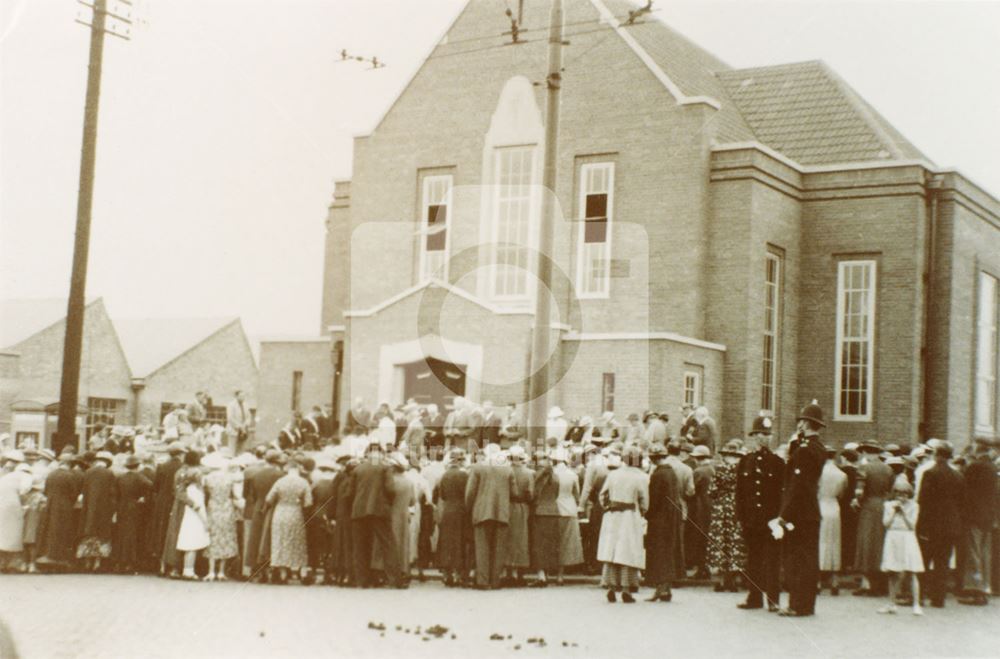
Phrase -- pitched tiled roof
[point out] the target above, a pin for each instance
(691, 67)
(806, 112)
(802, 110)
(150, 343)
(21, 319)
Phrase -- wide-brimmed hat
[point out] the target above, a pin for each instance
(892, 448)
(701, 451)
(851, 446)
(556, 412)
(812, 412)
(105, 456)
(657, 451)
(517, 452)
(132, 461)
(47, 454)
(732, 447)
(174, 448)
(215, 461)
(869, 446)
(13, 455)
(894, 460)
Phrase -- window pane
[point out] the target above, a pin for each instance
(597, 205)
(513, 221)
(856, 293)
(596, 231)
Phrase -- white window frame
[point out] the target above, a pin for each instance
(869, 338)
(529, 243)
(986, 339)
(583, 263)
(772, 315)
(423, 274)
(695, 388)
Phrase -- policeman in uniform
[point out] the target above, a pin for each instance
(800, 517)
(759, 484)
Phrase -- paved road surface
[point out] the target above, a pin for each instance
(83, 616)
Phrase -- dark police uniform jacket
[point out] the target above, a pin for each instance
(759, 486)
(805, 464)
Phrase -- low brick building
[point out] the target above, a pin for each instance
(743, 238)
(132, 371)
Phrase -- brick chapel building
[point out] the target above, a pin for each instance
(745, 239)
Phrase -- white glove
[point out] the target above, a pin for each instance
(777, 530)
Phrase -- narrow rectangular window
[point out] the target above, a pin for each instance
(608, 392)
(435, 216)
(772, 305)
(296, 390)
(512, 221)
(596, 211)
(692, 388)
(855, 340)
(986, 356)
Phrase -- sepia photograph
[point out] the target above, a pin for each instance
(481, 328)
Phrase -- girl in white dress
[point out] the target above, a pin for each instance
(901, 552)
(193, 534)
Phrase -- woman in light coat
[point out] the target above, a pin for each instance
(625, 498)
(570, 544)
(832, 489)
(15, 484)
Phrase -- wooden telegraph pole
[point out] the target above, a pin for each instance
(73, 344)
(540, 381)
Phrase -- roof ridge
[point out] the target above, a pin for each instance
(61, 319)
(191, 347)
(774, 67)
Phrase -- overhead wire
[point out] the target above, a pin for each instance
(539, 29)
(469, 51)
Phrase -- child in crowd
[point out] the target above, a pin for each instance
(901, 552)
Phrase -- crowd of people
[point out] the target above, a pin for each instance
(406, 490)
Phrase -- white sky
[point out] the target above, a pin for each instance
(224, 123)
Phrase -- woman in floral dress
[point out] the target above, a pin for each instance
(290, 496)
(223, 504)
(726, 550)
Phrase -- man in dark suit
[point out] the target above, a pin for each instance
(487, 495)
(800, 515)
(255, 490)
(939, 522)
(163, 501)
(759, 485)
(489, 429)
(981, 513)
(359, 418)
(371, 492)
(325, 421)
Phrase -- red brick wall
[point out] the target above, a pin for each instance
(104, 373)
(865, 214)
(218, 366)
(756, 209)
(278, 360)
(968, 238)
